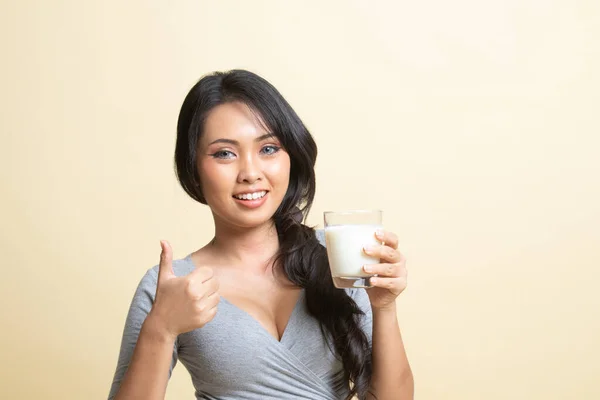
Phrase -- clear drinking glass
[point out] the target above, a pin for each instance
(346, 234)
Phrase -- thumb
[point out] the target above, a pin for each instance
(165, 268)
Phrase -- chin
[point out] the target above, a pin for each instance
(250, 224)
(253, 221)
(244, 219)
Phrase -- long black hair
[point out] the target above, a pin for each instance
(301, 257)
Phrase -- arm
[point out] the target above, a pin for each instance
(148, 355)
(392, 377)
(148, 374)
(163, 307)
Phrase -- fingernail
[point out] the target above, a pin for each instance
(369, 249)
(379, 233)
(367, 268)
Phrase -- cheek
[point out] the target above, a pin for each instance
(280, 171)
(213, 177)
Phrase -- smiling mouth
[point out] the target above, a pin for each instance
(251, 196)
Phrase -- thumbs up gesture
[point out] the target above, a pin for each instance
(185, 303)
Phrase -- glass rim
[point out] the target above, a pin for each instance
(358, 211)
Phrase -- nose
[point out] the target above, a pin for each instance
(249, 170)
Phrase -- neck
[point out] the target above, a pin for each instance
(251, 249)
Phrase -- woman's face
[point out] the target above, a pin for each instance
(243, 169)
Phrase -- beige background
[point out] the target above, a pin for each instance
(473, 124)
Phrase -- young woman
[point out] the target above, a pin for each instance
(254, 313)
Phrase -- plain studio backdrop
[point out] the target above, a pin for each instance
(473, 124)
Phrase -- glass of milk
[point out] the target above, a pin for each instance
(346, 234)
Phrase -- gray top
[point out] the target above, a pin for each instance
(234, 357)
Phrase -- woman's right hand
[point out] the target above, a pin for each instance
(184, 303)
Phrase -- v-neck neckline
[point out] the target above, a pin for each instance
(261, 327)
(264, 330)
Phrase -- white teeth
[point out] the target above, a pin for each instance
(251, 196)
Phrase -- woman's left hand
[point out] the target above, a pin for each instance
(391, 273)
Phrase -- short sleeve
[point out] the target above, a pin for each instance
(138, 311)
(360, 296)
(320, 234)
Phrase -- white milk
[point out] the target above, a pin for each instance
(345, 248)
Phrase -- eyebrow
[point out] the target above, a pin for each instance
(236, 143)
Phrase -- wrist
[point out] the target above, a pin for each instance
(389, 309)
(156, 329)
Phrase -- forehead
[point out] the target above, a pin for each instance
(232, 121)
